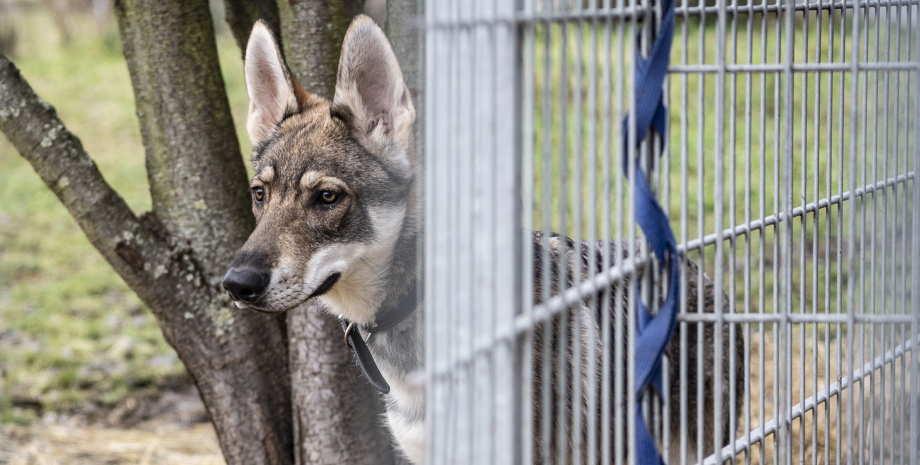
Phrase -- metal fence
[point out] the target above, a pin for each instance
(787, 172)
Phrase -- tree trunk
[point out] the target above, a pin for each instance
(175, 256)
(242, 14)
(337, 414)
(234, 358)
(313, 31)
(197, 180)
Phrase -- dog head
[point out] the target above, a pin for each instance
(332, 187)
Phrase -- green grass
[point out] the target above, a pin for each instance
(72, 333)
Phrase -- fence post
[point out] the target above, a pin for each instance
(472, 231)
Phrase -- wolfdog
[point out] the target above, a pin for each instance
(336, 197)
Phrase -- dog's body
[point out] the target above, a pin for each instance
(588, 322)
(336, 200)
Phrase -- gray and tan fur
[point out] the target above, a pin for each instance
(588, 321)
(336, 196)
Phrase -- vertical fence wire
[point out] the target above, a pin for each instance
(798, 324)
(473, 243)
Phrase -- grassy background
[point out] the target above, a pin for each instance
(74, 338)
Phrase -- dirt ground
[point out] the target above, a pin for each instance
(171, 429)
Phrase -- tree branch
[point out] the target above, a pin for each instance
(198, 187)
(196, 172)
(337, 415)
(34, 129)
(222, 349)
(242, 14)
(313, 35)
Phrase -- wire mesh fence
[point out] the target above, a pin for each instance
(787, 172)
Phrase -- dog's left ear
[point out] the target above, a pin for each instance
(274, 92)
(370, 84)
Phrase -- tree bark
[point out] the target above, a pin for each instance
(234, 358)
(197, 180)
(312, 31)
(133, 248)
(196, 173)
(337, 414)
(175, 256)
(242, 14)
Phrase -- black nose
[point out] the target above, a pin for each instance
(246, 284)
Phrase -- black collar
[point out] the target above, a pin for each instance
(384, 321)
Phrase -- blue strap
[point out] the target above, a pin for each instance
(654, 330)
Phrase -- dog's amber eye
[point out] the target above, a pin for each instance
(258, 193)
(328, 197)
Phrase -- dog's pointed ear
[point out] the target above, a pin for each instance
(370, 84)
(274, 92)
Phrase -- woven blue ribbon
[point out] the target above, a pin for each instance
(654, 331)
